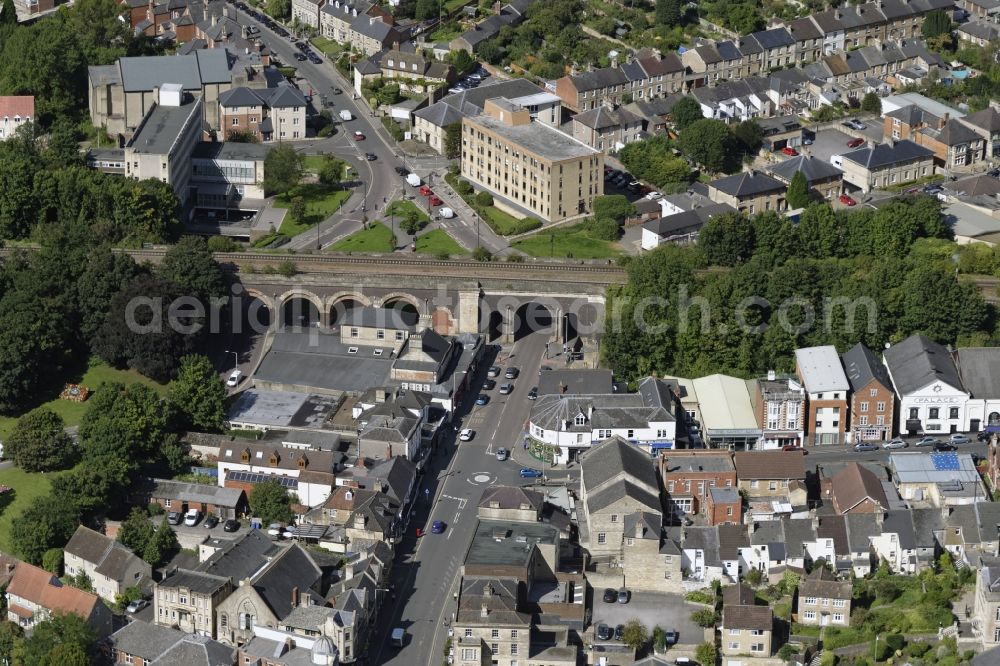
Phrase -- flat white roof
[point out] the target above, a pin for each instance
(724, 403)
(537, 98)
(821, 369)
(893, 102)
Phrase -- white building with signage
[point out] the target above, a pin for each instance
(932, 398)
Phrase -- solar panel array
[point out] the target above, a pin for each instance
(254, 477)
(945, 462)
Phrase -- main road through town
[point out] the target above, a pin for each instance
(426, 572)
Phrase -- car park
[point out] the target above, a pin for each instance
(604, 632)
(610, 596)
(437, 527)
(192, 517)
(529, 473)
(896, 443)
(211, 522)
(231, 525)
(512, 373)
(466, 435)
(234, 378)
(482, 399)
(960, 439)
(506, 389)
(501, 454)
(174, 518)
(865, 446)
(847, 200)
(136, 606)
(927, 441)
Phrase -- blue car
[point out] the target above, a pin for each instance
(437, 527)
(528, 473)
(482, 399)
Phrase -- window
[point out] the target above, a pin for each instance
(772, 485)
(734, 645)
(810, 615)
(602, 538)
(863, 420)
(756, 632)
(838, 617)
(495, 648)
(839, 603)
(953, 413)
(614, 517)
(864, 406)
(880, 406)
(810, 601)
(354, 332)
(380, 334)
(754, 483)
(495, 633)
(873, 392)
(757, 647)
(580, 420)
(469, 654)
(630, 434)
(819, 424)
(729, 511)
(468, 633)
(166, 503)
(399, 336)
(734, 632)
(914, 413)
(513, 634)
(513, 649)
(183, 598)
(932, 413)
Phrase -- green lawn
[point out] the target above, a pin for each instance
(97, 373)
(452, 5)
(327, 46)
(438, 242)
(402, 207)
(321, 202)
(445, 33)
(567, 242)
(376, 238)
(27, 487)
(503, 223)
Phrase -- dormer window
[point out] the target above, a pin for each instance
(245, 456)
(580, 419)
(414, 66)
(273, 461)
(303, 461)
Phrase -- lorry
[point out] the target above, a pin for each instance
(397, 637)
(346, 115)
(413, 179)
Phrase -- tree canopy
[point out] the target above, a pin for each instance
(47, 523)
(798, 191)
(270, 502)
(709, 143)
(198, 393)
(39, 442)
(282, 169)
(686, 111)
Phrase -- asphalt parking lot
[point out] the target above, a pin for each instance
(668, 611)
(829, 142)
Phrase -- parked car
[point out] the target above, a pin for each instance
(943, 447)
(466, 435)
(489, 385)
(927, 441)
(790, 447)
(533, 393)
(425, 191)
(211, 522)
(299, 57)
(231, 525)
(896, 443)
(494, 371)
(960, 439)
(482, 399)
(865, 446)
(136, 606)
(854, 143)
(604, 632)
(847, 200)
(401, 171)
(501, 454)
(434, 200)
(983, 435)
(192, 517)
(788, 150)
(506, 389)
(234, 378)
(610, 596)
(672, 636)
(437, 527)
(619, 632)
(337, 91)
(623, 595)
(529, 473)
(174, 518)
(511, 373)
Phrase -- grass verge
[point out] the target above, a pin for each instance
(27, 486)
(376, 238)
(439, 243)
(321, 202)
(573, 242)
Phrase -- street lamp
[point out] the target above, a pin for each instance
(236, 358)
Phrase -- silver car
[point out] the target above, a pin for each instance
(897, 443)
(501, 454)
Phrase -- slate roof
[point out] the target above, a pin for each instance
(987, 119)
(862, 365)
(747, 617)
(853, 484)
(688, 221)
(197, 492)
(195, 581)
(917, 362)
(884, 154)
(731, 539)
(292, 570)
(599, 78)
(813, 168)
(824, 585)
(705, 539)
(611, 458)
(770, 533)
(242, 557)
(619, 490)
(283, 96)
(191, 71)
(197, 650)
(953, 133)
(774, 38)
(499, 595)
(980, 371)
(748, 184)
(860, 528)
(802, 29)
(604, 117)
(511, 497)
(900, 522)
(769, 465)
(144, 639)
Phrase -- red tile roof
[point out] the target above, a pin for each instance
(17, 105)
(45, 590)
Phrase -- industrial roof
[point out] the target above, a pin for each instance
(281, 409)
(933, 467)
(725, 403)
(191, 71)
(583, 381)
(507, 543)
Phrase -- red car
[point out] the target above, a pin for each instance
(435, 201)
(358, 136)
(854, 143)
(846, 200)
(788, 150)
(792, 447)
(425, 191)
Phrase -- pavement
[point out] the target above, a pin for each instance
(426, 569)
(668, 611)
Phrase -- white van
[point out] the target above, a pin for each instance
(346, 115)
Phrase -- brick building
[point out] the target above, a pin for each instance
(826, 384)
(872, 396)
(690, 474)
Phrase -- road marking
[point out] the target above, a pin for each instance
(461, 501)
(481, 477)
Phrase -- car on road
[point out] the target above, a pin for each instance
(231, 525)
(425, 190)
(211, 522)
(494, 371)
(927, 441)
(482, 399)
(299, 57)
(234, 378)
(501, 454)
(174, 518)
(790, 447)
(315, 59)
(466, 435)
(434, 200)
(192, 517)
(983, 435)
(865, 446)
(506, 389)
(960, 439)
(489, 385)
(401, 171)
(619, 632)
(530, 473)
(136, 606)
(512, 373)
(610, 596)
(791, 152)
(604, 632)
(895, 443)
(371, 157)
(623, 595)
(944, 447)
(337, 91)
(358, 136)
(533, 393)
(847, 200)
(437, 527)
(854, 143)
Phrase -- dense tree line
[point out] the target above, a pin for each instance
(874, 276)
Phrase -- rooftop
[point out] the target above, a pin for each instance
(536, 138)
(747, 184)
(933, 467)
(917, 362)
(769, 465)
(584, 381)
(885, 154)
(725, 404)
(820, 369)
(980, 371)
(160, 129)
(505, 543)
(282, 409)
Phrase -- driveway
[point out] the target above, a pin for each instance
(668, 611)
(828, 142)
